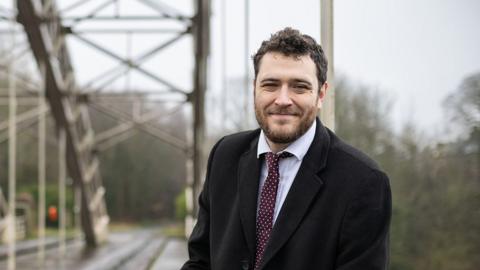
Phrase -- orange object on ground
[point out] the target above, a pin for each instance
(52, 213)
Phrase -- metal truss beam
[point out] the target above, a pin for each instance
(129, 63)
(30, 114)
(165, 10)
(117, 18)
(141, 123)
(45, 35)
(136, 63)
(41, 41)
(93, 13)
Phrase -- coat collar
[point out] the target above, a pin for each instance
(306, 185)
(248, 181)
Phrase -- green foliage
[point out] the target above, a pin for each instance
(142, 175)
(181, 206)
(436, 187)
(463, 105)
(51, 194)
(436, 192)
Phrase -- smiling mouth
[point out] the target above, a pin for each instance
(283, 114)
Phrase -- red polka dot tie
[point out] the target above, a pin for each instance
(266, 208)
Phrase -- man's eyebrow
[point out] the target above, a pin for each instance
(269, 80)
(301, 81)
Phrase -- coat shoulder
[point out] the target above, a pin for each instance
(357, 160)
(238, 143)
(355, 172)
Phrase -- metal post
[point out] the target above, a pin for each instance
(328, 107)
(202, 37)
(190, 199)
(45, 35)
(130, 60)
(41, 169)
(64, 114)
(76, 210)
(247, 83)
(223, 25)
(62, 174)
(117, 8)
(12, 145)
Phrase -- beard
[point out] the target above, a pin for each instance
(291, 131)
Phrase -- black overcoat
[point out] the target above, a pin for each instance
(336, 214)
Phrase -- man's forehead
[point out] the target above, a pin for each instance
(292, 57)
(274, 64)
(277, 76)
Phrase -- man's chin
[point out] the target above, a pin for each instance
(282, 123)
(283, 134)
(282, 127)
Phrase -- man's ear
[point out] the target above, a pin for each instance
(322, 92)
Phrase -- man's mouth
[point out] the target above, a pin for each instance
(283, 114)
(282, 117)
(280, 112)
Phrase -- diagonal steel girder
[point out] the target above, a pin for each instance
(133, 65)
(141, 123)
(41, 45)
(127, 64)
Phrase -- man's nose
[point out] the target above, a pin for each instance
(283, 96)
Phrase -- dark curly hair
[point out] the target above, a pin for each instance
(291, 42)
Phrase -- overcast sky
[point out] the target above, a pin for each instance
(416, 51)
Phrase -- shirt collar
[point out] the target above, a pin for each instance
(298, 148)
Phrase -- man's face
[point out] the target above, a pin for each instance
(287, 96)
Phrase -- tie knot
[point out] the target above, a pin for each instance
(285, 155)
(274, 158)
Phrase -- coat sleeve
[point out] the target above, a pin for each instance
(364, 237)
(199, 243)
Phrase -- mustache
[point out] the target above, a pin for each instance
(284, 110)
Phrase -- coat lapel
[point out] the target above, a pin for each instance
(303, 191)
(248, 180)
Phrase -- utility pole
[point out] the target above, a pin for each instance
(195, 162)
(327, 114)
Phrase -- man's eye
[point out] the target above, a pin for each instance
(269, 85)
(301, 86)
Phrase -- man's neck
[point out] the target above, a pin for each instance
(276, 147)
(298, 147)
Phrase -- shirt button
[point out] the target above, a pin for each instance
(245, 265)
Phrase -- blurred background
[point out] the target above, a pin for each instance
(108, 110)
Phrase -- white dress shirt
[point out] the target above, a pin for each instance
(288, 167)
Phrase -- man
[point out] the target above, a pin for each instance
(290, 195)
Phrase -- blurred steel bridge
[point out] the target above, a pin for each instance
(38, 30)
